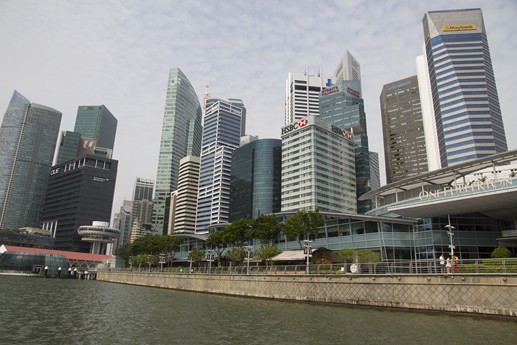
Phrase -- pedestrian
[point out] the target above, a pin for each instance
(456, 263)
(46, 271)
(442, 263)
(59, 272)
(448, 265)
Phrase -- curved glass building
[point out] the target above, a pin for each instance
(181, 136)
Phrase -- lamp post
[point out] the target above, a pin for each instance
(190, 261)
(210, 259)
(162, 261)
(248, 255)
(308, 255)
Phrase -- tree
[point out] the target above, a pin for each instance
(238, 232)
(266, 253)
(196, 255)
(303, 225)
(236, 255)
(501, 253)
(217, 241)
(346, 255)
(265, 228)
(362, 255)
(125, 251)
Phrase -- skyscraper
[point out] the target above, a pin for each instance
(181, 136)
(318, 167)
(341, 105)
(468, 116)
(143, 189)
(347, 69)
(221, 136)
(256, 179)
(302, 93)
(94, 134)
(403, 129)
(79, 192)
(182, 217)
(27, 142)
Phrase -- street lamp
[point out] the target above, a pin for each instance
(210, 259)
(162, 261)
(450, 233)
(307, 247)
(190, 261)
(248, 255)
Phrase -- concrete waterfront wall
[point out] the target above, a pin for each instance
(477, 294)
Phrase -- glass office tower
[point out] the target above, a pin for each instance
(468, 117)
(341, 105)
(27, 142)
(255, 186)
(181, 136)
(221, 136)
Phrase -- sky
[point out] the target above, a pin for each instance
(65, 54)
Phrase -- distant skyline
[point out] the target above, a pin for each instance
(118, 53)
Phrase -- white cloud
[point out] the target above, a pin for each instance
(118, 53)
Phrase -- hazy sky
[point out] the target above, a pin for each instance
(64, 54)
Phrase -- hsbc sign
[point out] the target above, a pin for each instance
(299, 124)
(344, 134)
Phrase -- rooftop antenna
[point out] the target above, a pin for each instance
(207, 93)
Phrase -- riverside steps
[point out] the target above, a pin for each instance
(485, 294)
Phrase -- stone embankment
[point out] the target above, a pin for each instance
(476, 294)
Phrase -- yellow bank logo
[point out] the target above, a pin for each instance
(461, 27)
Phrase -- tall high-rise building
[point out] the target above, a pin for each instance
(221, 136)
(256, 179)
(181, 136)
(318, 167)
(122, 222)
(341, 105)
(403, 129)
(143, 189)
(182, 215)
(375, 172)
(79, 192)
(27, 142)
(347, 69)
(302, 93)
(468, 116)
(94, 134)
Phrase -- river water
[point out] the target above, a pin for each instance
(62, 311)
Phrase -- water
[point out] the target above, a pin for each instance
(61, 311)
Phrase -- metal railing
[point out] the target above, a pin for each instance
(429, 266)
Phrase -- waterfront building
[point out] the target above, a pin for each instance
(79, 192)
(302, 92)
(318, 167)
(182, 217)
(256, 179)
(27, 142)
(341, 105)
(100, 235)
(181, 136)
(466, 105)
(94, 134)
(403, 129)
(478, 207)
(221, 136)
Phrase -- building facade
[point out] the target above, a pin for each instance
(221, 137)
(181, 136)
(143, 189)
(27, 142)
(79, 192)
(122, 222)
(348, 68)
(341, 105)
(183, 217)
(403, 129)
(256, 179)
(466, 105)
(318, 167)
(302, 93)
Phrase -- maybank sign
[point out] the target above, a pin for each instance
(465, 189)
(460, 27)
